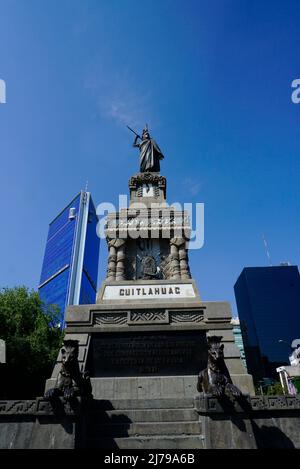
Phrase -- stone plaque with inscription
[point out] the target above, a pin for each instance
(149, 291)
(148, 353)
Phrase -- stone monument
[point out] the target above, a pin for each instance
(147, 344)
(145, 338)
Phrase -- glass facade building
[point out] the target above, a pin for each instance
(238, 338)
(268, 302)
(70, 266)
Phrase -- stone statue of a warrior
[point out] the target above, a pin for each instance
(150, 153)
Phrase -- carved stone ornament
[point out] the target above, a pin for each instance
(149, 268)
(147, 178)
(149, 317)
(115, 242)
(186, 316)
(70, 381)
(177, 241)
(115, 318)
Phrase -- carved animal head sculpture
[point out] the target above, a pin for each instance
(215, 349)
(70, 382)
(69, 353)
(215, 380)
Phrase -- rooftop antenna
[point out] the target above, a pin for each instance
(86, 185)
(267, 250)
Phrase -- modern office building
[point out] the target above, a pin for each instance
(238, 338)
(268, 302)
(70, 266)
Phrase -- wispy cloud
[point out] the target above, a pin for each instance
(118, 97)
(192, 186)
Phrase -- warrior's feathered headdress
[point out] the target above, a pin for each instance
(145, 129)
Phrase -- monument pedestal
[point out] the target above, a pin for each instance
(147, 339)
(144, 342)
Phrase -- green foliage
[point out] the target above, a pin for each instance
(274, 389)
(296, 383)
(32, 342)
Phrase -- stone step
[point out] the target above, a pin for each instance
(149, 442)
(147, 429)
(123, 404)
(146, 415)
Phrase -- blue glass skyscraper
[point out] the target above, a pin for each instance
(70, 266)
(268, 302)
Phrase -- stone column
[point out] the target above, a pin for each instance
(112, 261)
(183, 261)
(175, 267)
(120, 271)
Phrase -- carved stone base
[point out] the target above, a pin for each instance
(146, 338)
(152, 423)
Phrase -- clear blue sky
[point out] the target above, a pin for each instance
(212, 79)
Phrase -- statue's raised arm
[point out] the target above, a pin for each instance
(135, 142)
(150, 153)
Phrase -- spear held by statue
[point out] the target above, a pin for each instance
(133, 131)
